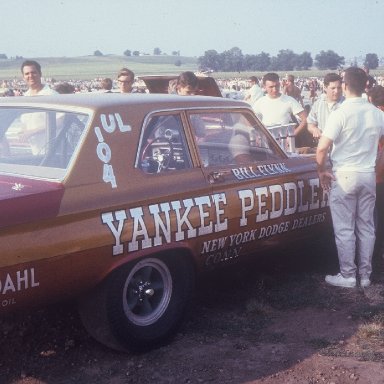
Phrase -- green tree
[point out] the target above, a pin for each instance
(273, 65)
(3, 56)
(178, 63)
(263, 61)
(371, 61)
(285, 60)
(135, 53)
(329, 60)
(157, 51)
(210, 60)
(303, 61)
(232, 60)
(260, 62)
(250, 63)
(97, 53)
(127, 52)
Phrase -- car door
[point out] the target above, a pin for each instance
(175, 198)
(264, 192)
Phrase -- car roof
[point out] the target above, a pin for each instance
(104, 100)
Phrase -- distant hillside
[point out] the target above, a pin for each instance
(91, 67)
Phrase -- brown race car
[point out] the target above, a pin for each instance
(120, 200)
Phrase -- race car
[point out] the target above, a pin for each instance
(120, 201)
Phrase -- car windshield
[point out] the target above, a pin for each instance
(39, 142)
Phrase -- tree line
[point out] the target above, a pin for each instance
(234, 60)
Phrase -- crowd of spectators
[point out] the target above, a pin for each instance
(235, 88)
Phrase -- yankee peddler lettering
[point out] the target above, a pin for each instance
(157, 224)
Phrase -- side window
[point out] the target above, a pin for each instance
(163, 146)
(231, 138)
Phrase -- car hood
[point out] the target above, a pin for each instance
(23, 199)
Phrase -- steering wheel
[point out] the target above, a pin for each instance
(162, 156)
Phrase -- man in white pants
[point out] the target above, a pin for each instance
(354, 129)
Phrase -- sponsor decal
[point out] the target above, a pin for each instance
(109, 125)
(254, 172)
(17, 281)
(228, 248)
(156, 224)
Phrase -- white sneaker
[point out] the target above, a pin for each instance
(365, 282)
(340, 281)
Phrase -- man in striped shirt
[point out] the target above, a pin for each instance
(328, 102)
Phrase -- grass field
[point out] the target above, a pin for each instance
(91, 67)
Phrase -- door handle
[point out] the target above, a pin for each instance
(216, 177)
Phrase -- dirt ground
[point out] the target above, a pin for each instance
(272, 322)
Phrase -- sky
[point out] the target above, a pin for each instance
(67, 28)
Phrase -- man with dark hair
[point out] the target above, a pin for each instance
(125, 80)
(106, 85)
(65, 88)
(34, 124)
(292, 90)
(353, 131)
(376, 97)
(371, 81)
(187, 84)
(31, 71)
(328, 102)
(277, 109)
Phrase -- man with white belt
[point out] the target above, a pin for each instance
(353, 131)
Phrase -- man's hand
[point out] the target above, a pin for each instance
(326, 178)
(316, 133)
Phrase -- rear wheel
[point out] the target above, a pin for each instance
(144, 302)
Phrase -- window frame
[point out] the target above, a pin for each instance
(182, 133)
(39, 169)
(278, 153)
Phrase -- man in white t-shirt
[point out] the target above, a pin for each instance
(34, 131)
(31, 71)
(353, 131)
(255, 92)
(277, 109)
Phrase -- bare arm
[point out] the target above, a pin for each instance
(303, 122)
(321, 159)
(380, 161)
(314, 130)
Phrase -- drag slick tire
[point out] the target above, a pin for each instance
(143, 303)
